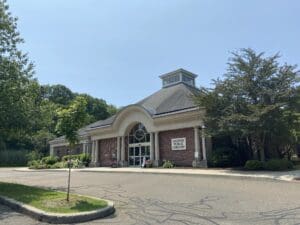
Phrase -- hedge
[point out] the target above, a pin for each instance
(13, 157)
(272, 165)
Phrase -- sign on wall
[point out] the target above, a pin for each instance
(178, 144)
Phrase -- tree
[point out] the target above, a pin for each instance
(19, 93)
(70, 120)
(58, 94)
(252, 102)
(98, 109)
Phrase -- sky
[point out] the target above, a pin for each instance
(116, 49)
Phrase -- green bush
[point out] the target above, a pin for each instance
(59, 165)
(224, 157)
(254, 165)
(33, 163)
(13, 157)
(279, 164)
(49, 160)
(85, 159)
(72, 157)
(36, 164)
(33, 155)
(168, 164)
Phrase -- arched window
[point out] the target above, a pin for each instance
(138, 134)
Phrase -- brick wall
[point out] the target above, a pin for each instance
(179, 157)
(107, 147)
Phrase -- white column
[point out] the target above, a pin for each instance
(156, 140)
(97, 152)
(203, 143)
(84, 147)
(123, 149)
(151, 146)
(51, 150)
(93, 152)
(118, 149)
(197, 143)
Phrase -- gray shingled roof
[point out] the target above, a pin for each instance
(169, 99)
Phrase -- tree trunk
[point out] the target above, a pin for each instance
(69, 179)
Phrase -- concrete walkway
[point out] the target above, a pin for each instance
(282, 175)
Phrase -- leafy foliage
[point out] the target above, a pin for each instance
(279, 164)
(224, 157)
(71, 119)
(254, 165)
(29, 110)
(256, 102)
(168, 164)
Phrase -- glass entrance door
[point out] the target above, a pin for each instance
(137, 153)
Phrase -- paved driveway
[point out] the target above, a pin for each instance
(172, 199)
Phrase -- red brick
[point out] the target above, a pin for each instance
(107, 148)
(178, 157)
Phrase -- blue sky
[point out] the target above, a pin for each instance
(116, 49)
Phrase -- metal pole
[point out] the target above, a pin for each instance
(69, 177)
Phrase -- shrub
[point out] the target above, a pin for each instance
(59, 165)
(278, 164)
(49, 160)
(85, 159)
(33, 155)
(72, 157)
(168, 164)
(33, 163)
(225, 157)
(78, 160)
(254, 165)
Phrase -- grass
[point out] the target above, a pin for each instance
(50, 200)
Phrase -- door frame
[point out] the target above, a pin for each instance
(140, 145)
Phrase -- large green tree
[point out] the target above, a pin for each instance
(253, 102)
(28, 111)
(19, 93)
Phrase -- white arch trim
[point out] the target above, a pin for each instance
(131, 115)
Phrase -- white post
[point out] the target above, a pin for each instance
(96, 152)
(197, 143)
(93, 152)
(123, 151)
(84, 147)
(118, 149)
(151, 147)
(203, 143)
(156, 140)
(51, 150)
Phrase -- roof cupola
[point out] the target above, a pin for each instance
(178, 76)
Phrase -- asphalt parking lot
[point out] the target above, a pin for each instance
(171, 199)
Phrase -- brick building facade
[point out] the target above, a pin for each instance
(167, 125)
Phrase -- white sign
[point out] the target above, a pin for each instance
(178, 144)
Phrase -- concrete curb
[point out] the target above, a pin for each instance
(58, 217)
(286, 177)
(232, 176)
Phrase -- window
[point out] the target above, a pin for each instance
(171, 79)
(138, 134)
(188, 80)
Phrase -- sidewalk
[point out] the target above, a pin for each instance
(274, 175)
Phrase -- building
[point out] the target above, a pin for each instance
(167, 125)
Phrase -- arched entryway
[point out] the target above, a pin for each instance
(138, 145)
